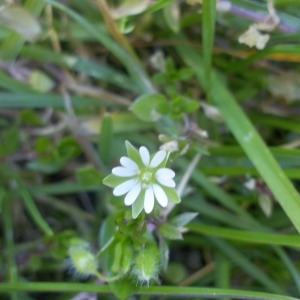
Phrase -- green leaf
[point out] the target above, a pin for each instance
(44, 144)
(30, 117)
(68, 147)
(149, 107)
(9, 140)
(170, 232)
(60, 243)
(88, 176)
(123, 288)
(183, 219)
(46, 167)
(163, 253)
(107, 232)
(176, 272)
(35, 214)
(181, 105)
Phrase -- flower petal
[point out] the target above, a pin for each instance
(164, 177)
(165, 173)
(132, 194)
(123, 172)
(128, 163)
(158, 158)
(145, 156)
(124, 187)
(149, 200)
(160, 195)
(167, 182)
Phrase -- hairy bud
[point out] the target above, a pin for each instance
(147, 264)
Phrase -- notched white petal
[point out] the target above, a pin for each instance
(132, 194)
(165, 173)
(128, 163)
(124, 187)
(164, 177)
(160, 195)
(149, 200)
(145, 156)
(168, 182)
(123, 172)
(158, 158)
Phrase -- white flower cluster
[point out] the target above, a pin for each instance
(142, 179)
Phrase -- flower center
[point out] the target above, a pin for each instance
(146, 177)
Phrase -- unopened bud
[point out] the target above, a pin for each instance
(146, 264)
(127, 256)
(83, 261)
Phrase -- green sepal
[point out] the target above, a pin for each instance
(138, 205)
(112, 180)
(183, 219)
(170, 232)
(172, 194)
(133, 154)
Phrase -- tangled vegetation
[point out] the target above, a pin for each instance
(149, 149)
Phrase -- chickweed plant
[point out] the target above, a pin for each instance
(149, 149)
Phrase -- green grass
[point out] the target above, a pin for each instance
(59, 143)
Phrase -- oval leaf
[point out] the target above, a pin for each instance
(149, 107)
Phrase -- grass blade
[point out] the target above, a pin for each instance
(248, 138)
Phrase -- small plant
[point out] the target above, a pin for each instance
(128, 241)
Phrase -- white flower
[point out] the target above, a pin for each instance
(253, 37)
(142, 179)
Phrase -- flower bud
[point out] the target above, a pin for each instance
(146, 264)
(83, 261)
(127, 256)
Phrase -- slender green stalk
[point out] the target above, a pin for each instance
(183, 292)
(223, 272)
